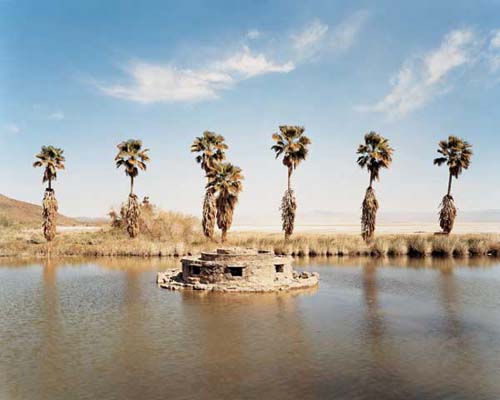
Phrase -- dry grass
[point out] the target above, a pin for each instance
(173, 234)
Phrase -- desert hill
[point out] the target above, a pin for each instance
(23, 213)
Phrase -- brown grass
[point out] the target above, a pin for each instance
(173, 234)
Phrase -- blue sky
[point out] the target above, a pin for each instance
(84, 75)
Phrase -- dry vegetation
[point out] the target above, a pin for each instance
(174, 234)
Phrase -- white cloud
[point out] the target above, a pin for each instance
(344, 35)
(310, 35)
(153, 82)
(165, 83)
(494, 51)
(249, 65)
(495, 39)
(317, 36)
(57, 115)
(425, 77)
(254, 34)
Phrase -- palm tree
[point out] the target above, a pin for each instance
(456, 153)
(212, 149)
(225, 180)
(293, 145)
(51, 159)
(374, 154)
(132, 157)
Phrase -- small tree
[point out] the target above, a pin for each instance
(51, 159)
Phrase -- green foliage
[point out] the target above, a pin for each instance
(225, 180)
(132, 157)
(212, 149)
(374, 154)
(292, 144)
(52, 159)
(456, 153)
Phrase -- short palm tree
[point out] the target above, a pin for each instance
(225, 180)
(374, 154)
(51, 159)
(456, 153)
(132, 157)
(293, 145)
(211, 149)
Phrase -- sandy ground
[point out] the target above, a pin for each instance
(468, 227)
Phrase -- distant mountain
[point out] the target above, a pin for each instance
(23, 213)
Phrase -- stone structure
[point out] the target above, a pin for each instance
(239, 270)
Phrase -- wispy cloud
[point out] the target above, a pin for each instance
(47, 112)
(344, 35)
(494, 50)
(155, 82)
(11, 128)
(166, 83)
(423, 78)
(249, 65)
(253, 34)
(311, 35)
(56, 115)
(318, 37)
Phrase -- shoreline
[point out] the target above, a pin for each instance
(110, 243)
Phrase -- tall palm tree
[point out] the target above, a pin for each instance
(225, 180)
(293, 145)
(212, 151)
(51, 159)
(456, 153)
(374, 154)
(132, 157)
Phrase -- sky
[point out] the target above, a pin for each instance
(85, 75)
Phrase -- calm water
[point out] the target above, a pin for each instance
(372, 330)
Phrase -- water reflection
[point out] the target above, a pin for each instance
(400, 262)
(375, 328)
(49, 353)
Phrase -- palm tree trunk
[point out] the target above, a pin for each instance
(131, 185)
(371, 180)
(289, 177)
(449, 184)
(50, 184)
(223, 235)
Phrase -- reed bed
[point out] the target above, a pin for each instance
(175, 236)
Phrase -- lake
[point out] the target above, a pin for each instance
(373, 329)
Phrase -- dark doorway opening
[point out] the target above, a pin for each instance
(235, 271)
(195, 270)
(279, 268)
